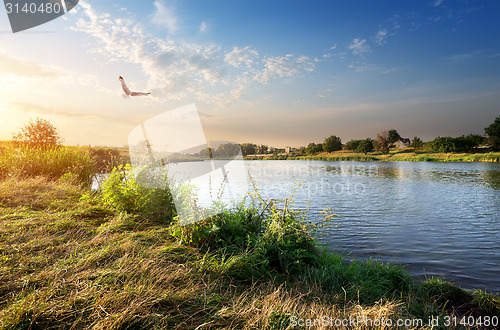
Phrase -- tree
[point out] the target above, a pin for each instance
(262, 149)
(248, 149)
(365, 146)
(442, 144)
(393, 136)
(332, 143)
(352, 144)
(38, 133)
(381, 143)
(314, 148)
(417, 143)
(494, 129)
(493, 132)
(227, 150)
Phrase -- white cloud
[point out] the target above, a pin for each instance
(283, 67)
(204, 26)
(165, 17)
(185, 70)
(381, 36)
(241, 56)
(437, 3)
(359, 47)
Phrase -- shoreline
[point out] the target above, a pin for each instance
(489, 157)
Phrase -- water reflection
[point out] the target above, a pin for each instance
(438, 218)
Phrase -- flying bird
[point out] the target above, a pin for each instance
(128, 92)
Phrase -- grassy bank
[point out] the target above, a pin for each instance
(393, 155)
(117, 258)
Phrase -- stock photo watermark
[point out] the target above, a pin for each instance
(26, 14)
(170, 151)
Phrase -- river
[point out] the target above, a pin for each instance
(438, 219)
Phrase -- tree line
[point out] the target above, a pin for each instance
(388, 139)
(41, 133)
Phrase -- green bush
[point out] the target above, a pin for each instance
(365, 146)
(352, 145)
(268, 238)
(122, 191)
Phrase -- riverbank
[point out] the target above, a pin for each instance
(393, 155)
(68, 259)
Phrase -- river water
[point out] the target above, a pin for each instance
(438, 219)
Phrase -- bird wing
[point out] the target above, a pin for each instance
(124, 86)
(139, 94)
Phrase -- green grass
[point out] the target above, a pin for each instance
(54, 163)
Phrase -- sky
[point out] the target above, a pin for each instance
(280, 73)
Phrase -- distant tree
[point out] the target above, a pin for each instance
(393, 136)
(227, 150)
(494, 128)
(332, 143)
(454, 144)
(248, 149)
(206, 153)
(314, 148)
(493, 132)
(382, 142)
(352, 144)
(468, 142)
(442, 144)
(262, 149)
(38, 133)
(365, 146)
(417, 143)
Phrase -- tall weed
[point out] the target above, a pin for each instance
(52, 163)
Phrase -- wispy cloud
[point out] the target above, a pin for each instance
(359, 46)
(165, 17)
(17, 67)
(178, 69)
(204, 26)
(381, 36)
(284, 66)
(38, 109)
(437, 3)
(241, 56)
(462, 57)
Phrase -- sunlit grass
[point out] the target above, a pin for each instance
(52, 163)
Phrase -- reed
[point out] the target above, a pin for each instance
(52, 163)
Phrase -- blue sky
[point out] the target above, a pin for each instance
(272, 72)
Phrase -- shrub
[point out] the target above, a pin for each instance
(122, 191)
(265, 238)
(450, 144)
(441, 144)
